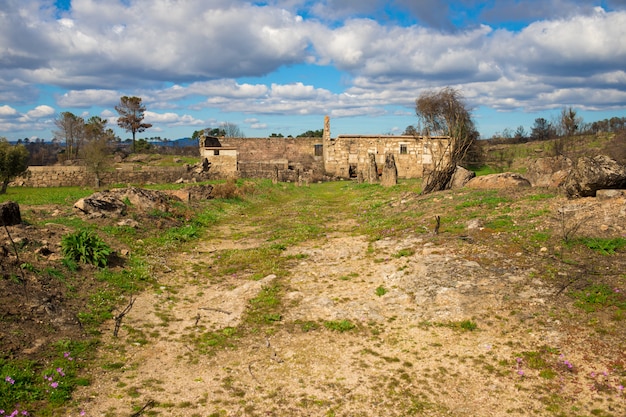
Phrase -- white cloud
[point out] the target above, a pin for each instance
(89, 98)
(171, 119)
(7, 111)
(40, 112)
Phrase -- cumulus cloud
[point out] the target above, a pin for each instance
(40, 112)
(7, 112)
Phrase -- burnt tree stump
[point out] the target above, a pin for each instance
(10, 213)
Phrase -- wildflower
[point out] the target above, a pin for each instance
(67, 356)
(60, 371)
(82, 412)
(520, 372)
(1, 412)
(9, 380)
(24, 413)
(54, 384)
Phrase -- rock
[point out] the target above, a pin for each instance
(100, 204)
(200, 192)
(114, 202)
(461, 177)
(610, 194)
(390, 172)
(371, 170)
(128, 223)
(10, 213)
(549, 172)
(498, 181)
(474, 224)
(592, 174)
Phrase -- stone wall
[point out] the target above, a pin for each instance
(78, 176)
(347, 155)
(281, 158)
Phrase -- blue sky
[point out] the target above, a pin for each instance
(280, 66)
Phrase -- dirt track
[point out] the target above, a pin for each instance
(412, 352)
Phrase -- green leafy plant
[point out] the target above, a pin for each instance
(380, 291)
(604, 246)
(86, 247)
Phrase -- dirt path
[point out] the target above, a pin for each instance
(413, 350)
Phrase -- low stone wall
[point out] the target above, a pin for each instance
(78, 176)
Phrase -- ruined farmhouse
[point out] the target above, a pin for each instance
(345, 156)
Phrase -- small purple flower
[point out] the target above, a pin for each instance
(1, 412)
(54, 384)
(60, 371)
(24, 413)
(520, 372)
(9, 380)
(82, 412)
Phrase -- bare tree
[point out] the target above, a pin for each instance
(231, 130)
(131, 111)
(444, 112)
(71, 131)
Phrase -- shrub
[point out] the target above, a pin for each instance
(84, 246)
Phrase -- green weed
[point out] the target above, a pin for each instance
(339, 325)
(598, 296)
(84, 246)
(380, 291)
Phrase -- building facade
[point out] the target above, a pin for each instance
(341, 157)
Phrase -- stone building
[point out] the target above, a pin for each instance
(345, 156)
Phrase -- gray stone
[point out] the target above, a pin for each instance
(592, 174)
(461, 177)
(390, 172)
(548, 172)
(498, 181)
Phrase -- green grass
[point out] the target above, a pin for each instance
(599, 296)
(604, 246)
(65, 196)
(339, 325)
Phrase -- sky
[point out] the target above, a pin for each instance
(280, 66)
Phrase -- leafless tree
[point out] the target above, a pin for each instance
(231, 130)
(444, 112)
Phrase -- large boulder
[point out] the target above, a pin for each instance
(498, 181)
(461, 177)
(591, 174)
(548, 172)
(115, 202)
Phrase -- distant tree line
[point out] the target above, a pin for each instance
(567, 124)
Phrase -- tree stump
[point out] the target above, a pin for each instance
(10, 213)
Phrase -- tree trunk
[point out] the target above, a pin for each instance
(5, 184)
